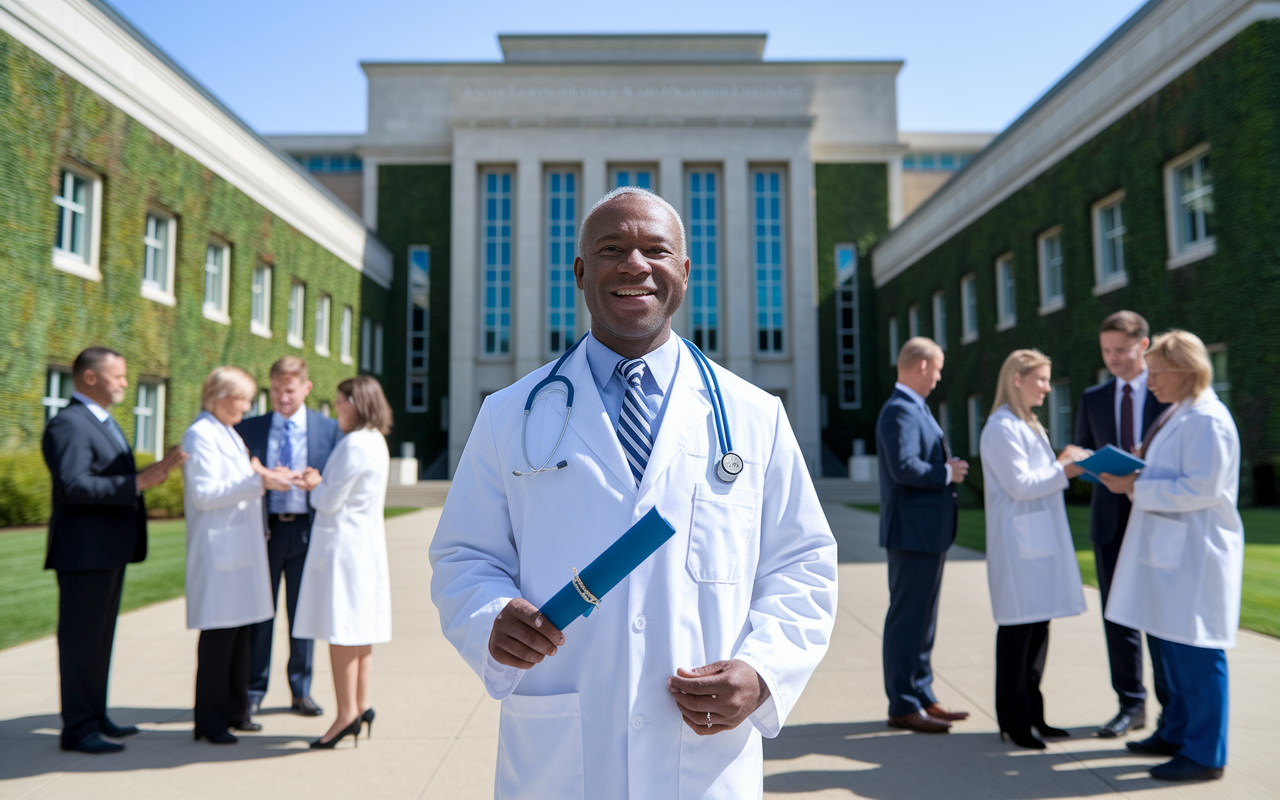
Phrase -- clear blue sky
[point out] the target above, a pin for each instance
(293, 66)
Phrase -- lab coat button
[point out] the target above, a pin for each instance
(637, 722)
(638, 624)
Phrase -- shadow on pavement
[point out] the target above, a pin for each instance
(875, 761)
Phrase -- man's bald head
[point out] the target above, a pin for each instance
(633, 194)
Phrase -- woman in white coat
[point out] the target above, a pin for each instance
(1180, 568)
(345, 592)
(1031, 563)
(228, 587)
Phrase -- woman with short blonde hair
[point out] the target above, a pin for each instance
(226, 382)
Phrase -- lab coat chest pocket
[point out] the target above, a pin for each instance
(1035, 535)
(1164, 540)
(540, 747)
(719, 533)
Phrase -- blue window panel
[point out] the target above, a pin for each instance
(496, 241)
(561, 210)
(702, 186)
(770, 211)
(640, 178)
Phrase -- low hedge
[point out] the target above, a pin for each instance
(26, 490)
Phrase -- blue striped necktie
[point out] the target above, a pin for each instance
(635, 423)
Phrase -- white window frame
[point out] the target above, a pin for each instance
(848, 338)
(1107, 283)
(1060, 431)
(894, 344)
(377, 348)
(152, 290)
(561, 321)
(297, 314)
(141, 412)
(706, 239)
(416, 374)
(344, 335)
(913, 321)
(652, 169)
(1006, 317)
(939, 302)
(218, 312)
(324, 315)
(57, 381)
(969, 309)
(771, 352)
(82, 265)
(1180, 255)
(973, 410)
(1055, 302)
(366, 344)
(260, 323)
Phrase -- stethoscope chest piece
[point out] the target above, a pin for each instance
(729, 467)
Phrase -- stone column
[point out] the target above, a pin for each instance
(594, 178)
(806, 391)
(464, 398)
(671, 182)
(528, 292)
(737, 329)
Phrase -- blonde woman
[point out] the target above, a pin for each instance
(1180, 569)
(345, 594)
(1031, 564)
(227, 585)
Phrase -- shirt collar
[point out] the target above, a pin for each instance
(299, 418)
(1139, 383)
(97, 410)
(660, 363)
(912, 393)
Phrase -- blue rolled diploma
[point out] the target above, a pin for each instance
(609, 568)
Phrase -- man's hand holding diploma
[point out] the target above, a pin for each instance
(522, 636)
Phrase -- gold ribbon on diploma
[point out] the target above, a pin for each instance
(583, 591)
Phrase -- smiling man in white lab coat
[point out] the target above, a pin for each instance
(666, 689)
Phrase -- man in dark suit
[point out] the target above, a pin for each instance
(1119, 412)
(296, 437)
(97, 526)
(918, 516)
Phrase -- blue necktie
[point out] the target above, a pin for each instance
(635, 423)
(117, 435)
(286, 445)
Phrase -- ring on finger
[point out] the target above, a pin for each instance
(708, 719)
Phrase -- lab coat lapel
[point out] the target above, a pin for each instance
(589, 420)
(687, 411)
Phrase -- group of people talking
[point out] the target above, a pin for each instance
(1168, 539)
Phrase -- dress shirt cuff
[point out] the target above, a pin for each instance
(765, 718)
(948, 466)
(499, 679)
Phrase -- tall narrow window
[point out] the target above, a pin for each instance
(297, 309)
(704, 259)
(1006, 305)
(1190, 207)
(323, 307)
(217, 282)
(157, 260)
(345, 335)
(377, 348)
(1108, 243)
(73, 200)
(366, 344)
(940, 318)
(1060, 430)
(768, 221)
(969, 309)
(913, 321)
(260, 310)
(562, 227)
(1051, 292)
(638, 176)
(894, 344)
(975, 422)
(58, 392)
(419, 319)
(848, 345)
(495, 249)
(148, 417)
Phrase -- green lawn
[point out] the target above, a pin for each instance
(29, 593)
(1260, 604)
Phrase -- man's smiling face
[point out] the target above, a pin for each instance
(632, 272)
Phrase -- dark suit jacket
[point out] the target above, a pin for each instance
(98, 520)
(917, 505)
(1096, 428)
(323, 434)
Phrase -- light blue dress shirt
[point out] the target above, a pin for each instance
(660, 371)
(293, 501)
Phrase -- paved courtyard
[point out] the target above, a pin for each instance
(436, 732)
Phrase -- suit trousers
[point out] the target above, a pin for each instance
(222, 679)
(88, 604)
(1020, 657)
(286, 555)
(1124, 645)
(1195, 715)
(915, 579)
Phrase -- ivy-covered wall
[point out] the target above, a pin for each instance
(1231, 100)
(47, 316)
(852, 202)
(414, 202)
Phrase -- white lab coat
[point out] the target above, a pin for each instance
(1179, 573)
(228, 582)
(749, 574)
(345, 593)
(1031, 563)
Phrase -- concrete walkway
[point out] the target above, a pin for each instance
(437, 732)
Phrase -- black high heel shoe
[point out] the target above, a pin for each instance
(353, 728)
(1024, 738)
(367, 717)
(1050, 732)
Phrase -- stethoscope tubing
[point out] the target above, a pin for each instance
(717, 397)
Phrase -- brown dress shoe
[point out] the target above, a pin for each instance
(921, 722)
(938, 712)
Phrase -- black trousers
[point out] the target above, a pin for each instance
(88, 604)
(1020, 655)
(914, 583)
(286, 555)
(222, 679)
(1124, 645)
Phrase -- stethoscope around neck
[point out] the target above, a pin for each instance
(728, 468)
